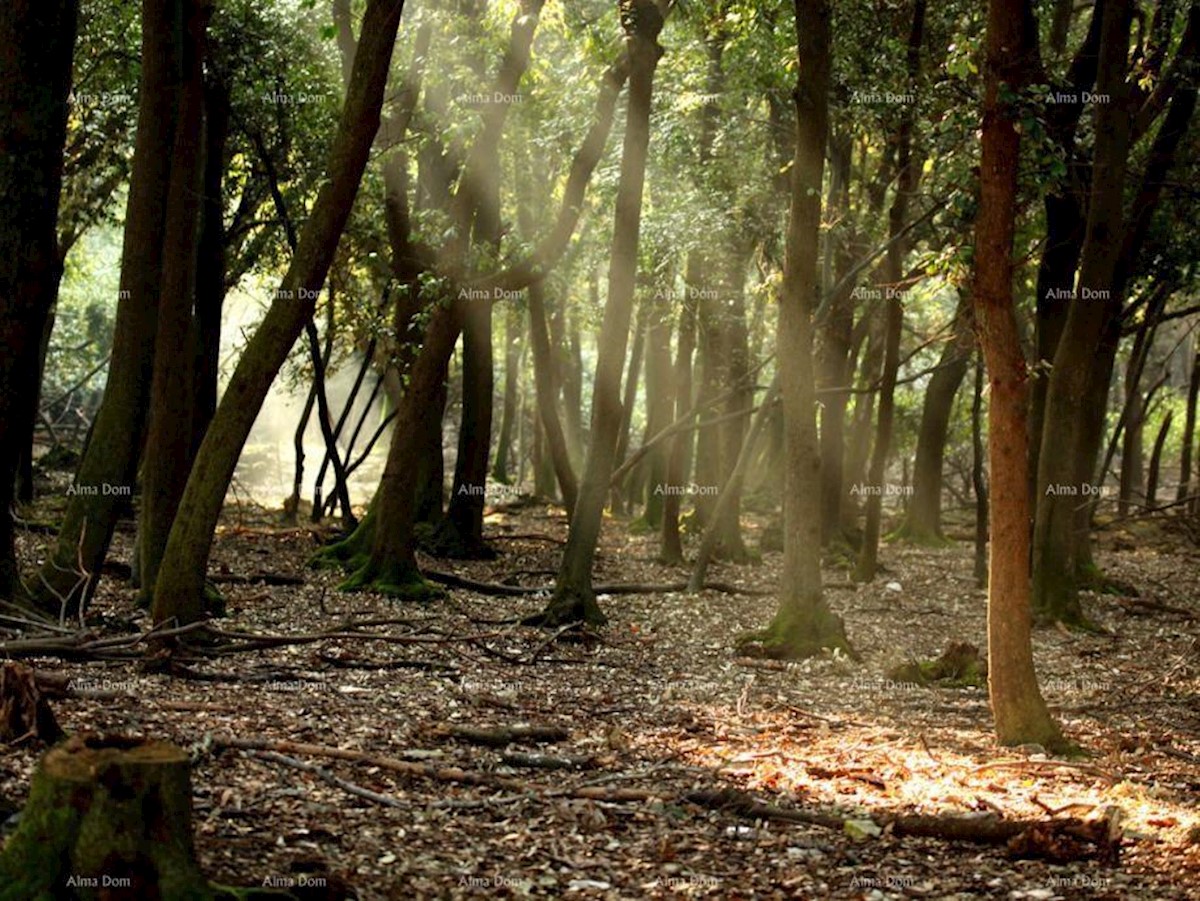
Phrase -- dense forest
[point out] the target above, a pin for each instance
(651, 449)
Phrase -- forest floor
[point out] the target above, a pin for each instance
(658, 702)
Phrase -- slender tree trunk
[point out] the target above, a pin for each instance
(804, 623)
(678, 463)
(978, 479)
(906, 185)
(731, 490)
(475, 207)
(35, 81)
(629, 401)
(211, 267)
(514, 339)
(924, 520)
(1156, 461)
(1017, 706)
(835, 332)
(1188, 440)
(659, 397)
(106, 473)
(178, 592)
(573, 598)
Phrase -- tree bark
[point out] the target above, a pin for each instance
(803, 624)
(1019, 712)
(574, 598)
(679, 460)
(924, 520)
(179, 589)
(1188, 440)
(35, 81)
(1062, 467)
(170, 430)
(106, 473)
(978, 479)
(514, 339)
(908, 173)
(1156, 461)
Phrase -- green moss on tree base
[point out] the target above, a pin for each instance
(351, 551)
(798, 635)
(400, 581)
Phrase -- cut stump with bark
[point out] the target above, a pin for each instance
(108, 818)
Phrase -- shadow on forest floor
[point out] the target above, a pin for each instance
(660, 703)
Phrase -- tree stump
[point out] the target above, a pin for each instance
(108, 818)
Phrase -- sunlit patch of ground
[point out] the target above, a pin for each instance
(662, 704)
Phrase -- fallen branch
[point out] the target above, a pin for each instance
(1047, 837)
(546, 761)
(502, 736)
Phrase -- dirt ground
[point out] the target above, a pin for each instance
(657, 702)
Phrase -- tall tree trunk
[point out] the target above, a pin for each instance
(835, 333)
(659, 397)
(514, 339)
(978, 480)
(1188, 441)
(924, 520)
(804, 623)
(1156, 461)
(1018, 709)
(629, 401)
(858, 448)
(382, 551)
(573, 598)
(906, 185)
(35, 81)
(105, 477)
(211, 266)
(1061, 465)
(476, 209)
(678, 463)
(178, 592)
(170, 430)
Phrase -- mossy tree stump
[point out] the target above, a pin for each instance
(107, 818)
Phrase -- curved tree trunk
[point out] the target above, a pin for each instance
(574, 599)
(1156, 461)
(179, 590)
